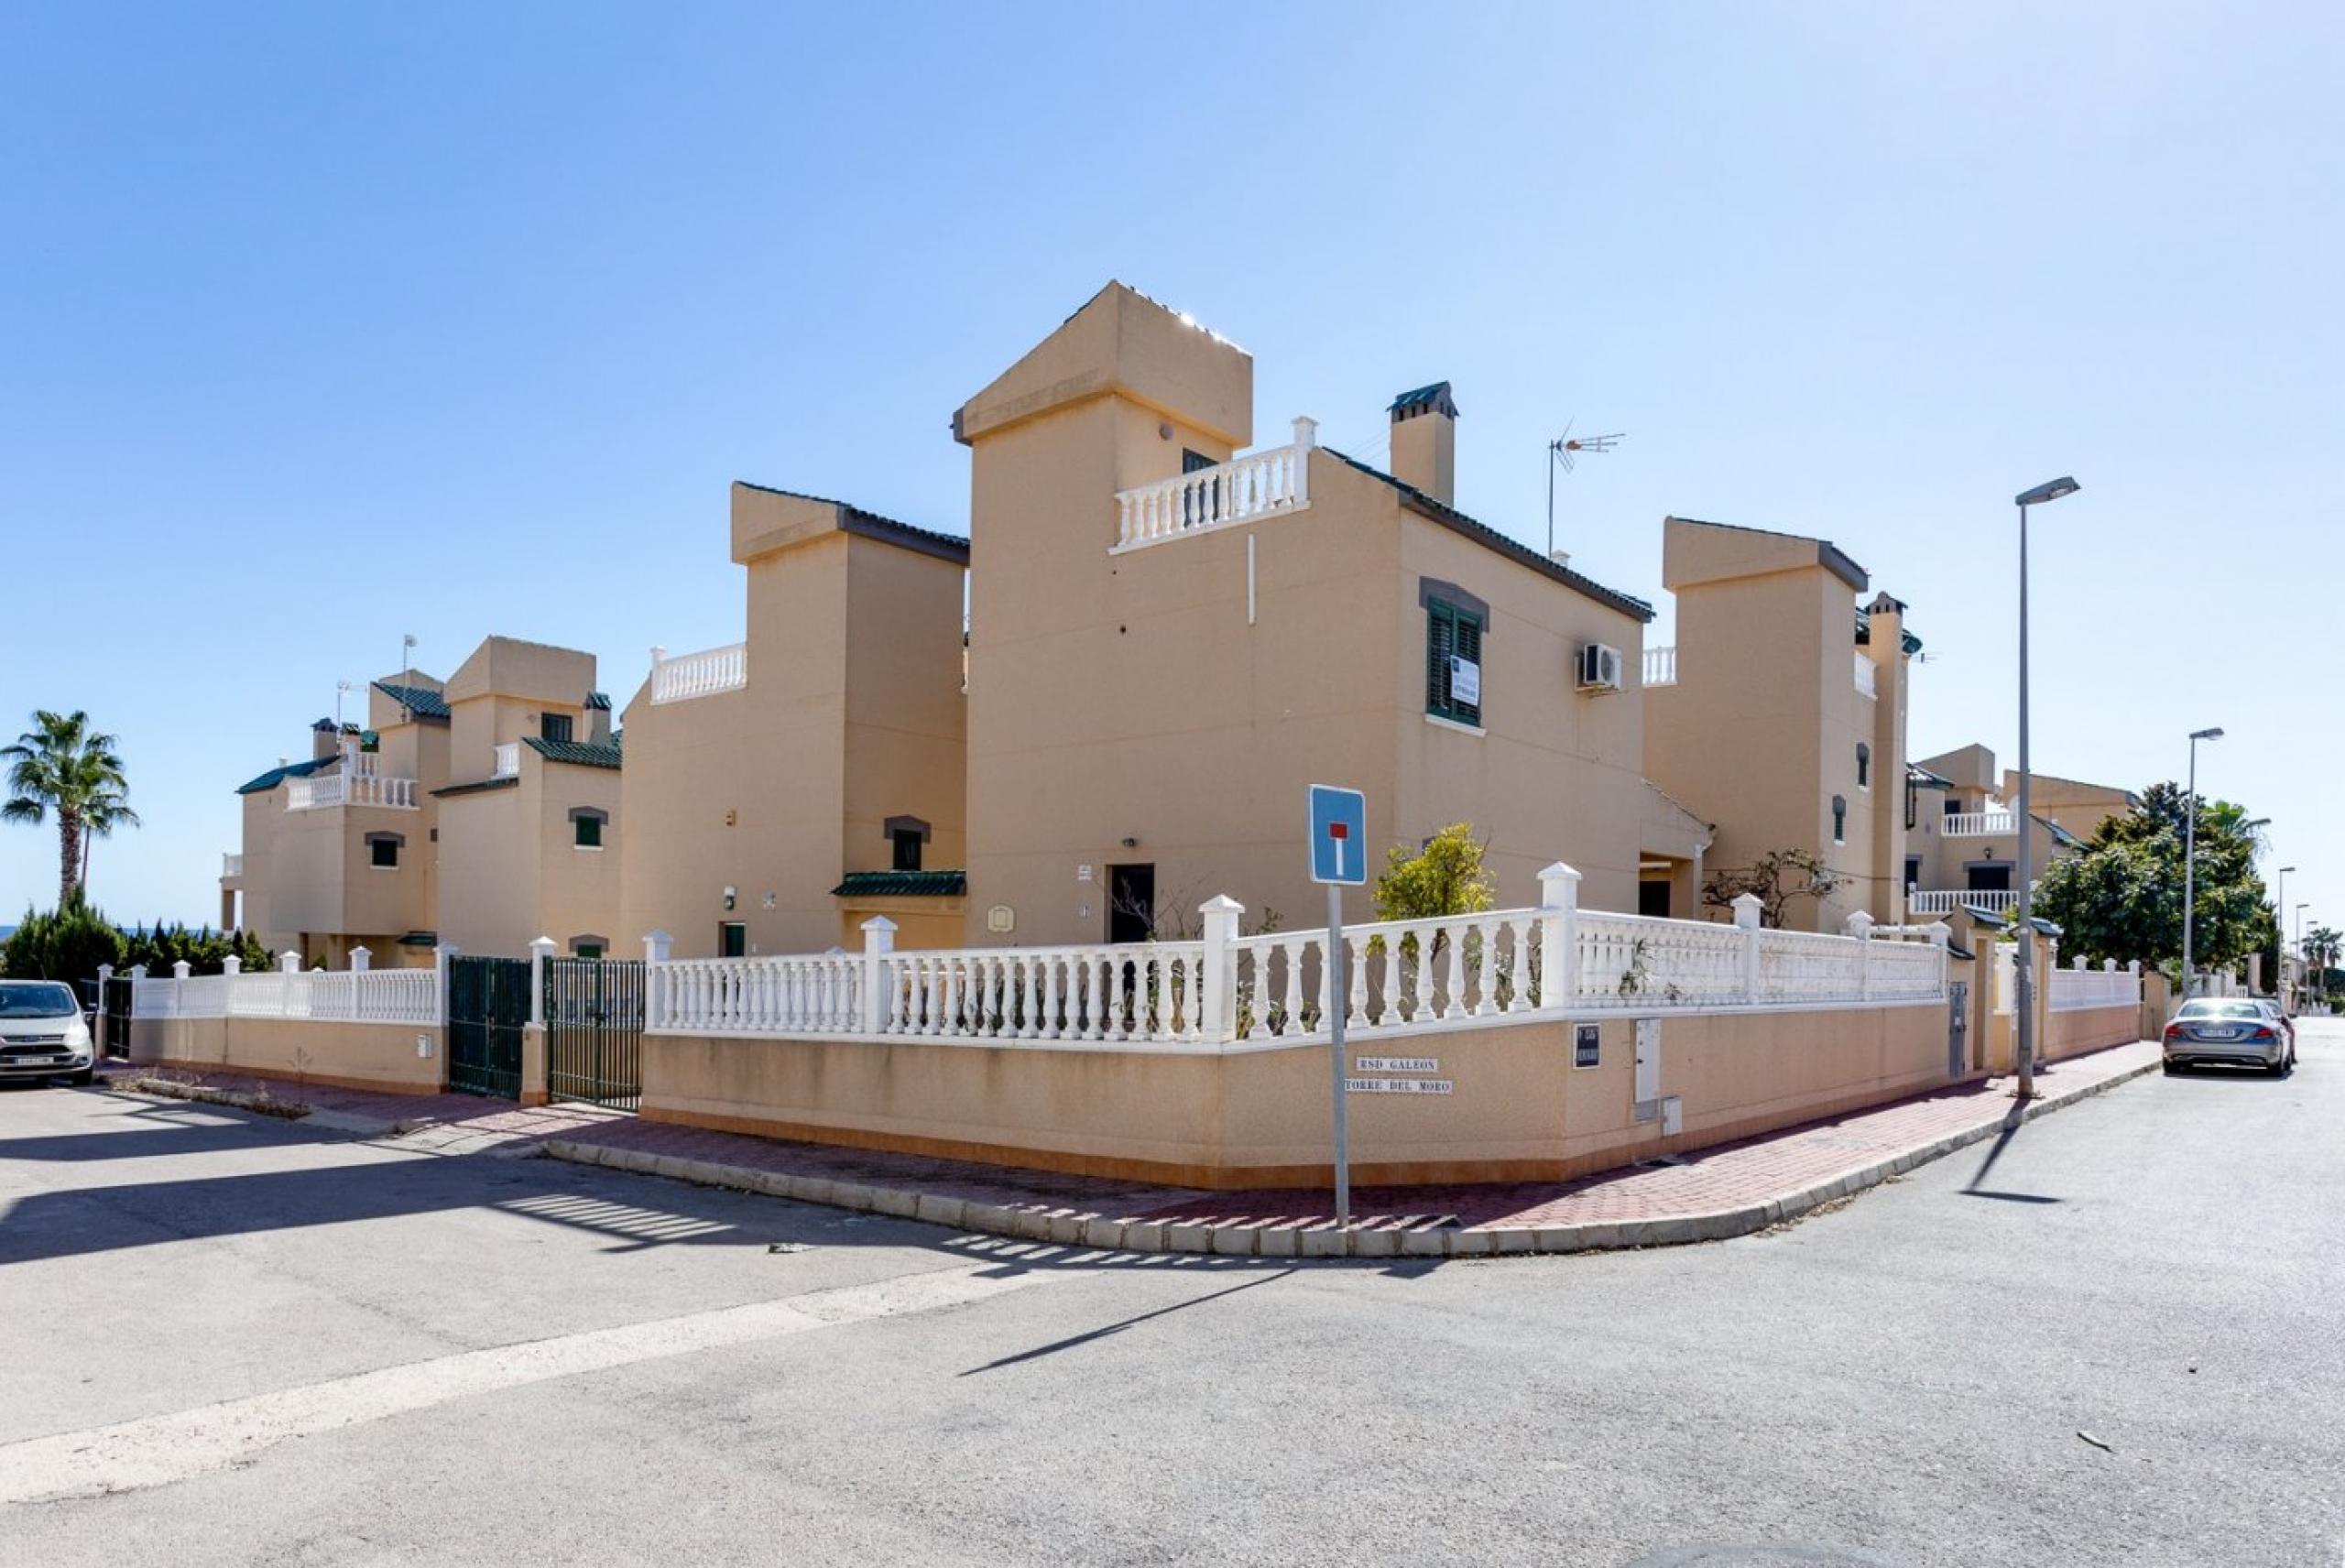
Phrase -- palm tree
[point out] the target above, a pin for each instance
(2323, 945)
(62, 767)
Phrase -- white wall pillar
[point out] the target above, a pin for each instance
(1747, 910)
(1860, 932)
(1218, 989)
(1306, 436)
(540, 950)
(879, 971)
(289, 962)
(361, 961)
(656, 1001)
(1558, 937)
(231, 966)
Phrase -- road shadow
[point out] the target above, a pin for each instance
(363, 1180)
(2014, 1119)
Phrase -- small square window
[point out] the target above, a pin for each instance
(553, 726)
(906, 842)
(385, 853)
(589, 832)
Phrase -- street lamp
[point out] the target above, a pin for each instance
(2190, 853)
(2300, 952)
(2052, 490)
(2280, 919)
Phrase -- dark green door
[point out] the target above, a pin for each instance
(488, 1002)
(595, 1030)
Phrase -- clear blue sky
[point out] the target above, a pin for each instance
(320, 324)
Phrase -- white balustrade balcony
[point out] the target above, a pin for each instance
(2079, 989)
(508, 760)
(1945, 900)
(1660, 666)
(1976, 825)
(349, 789)
(231, 865)
(1244, 490)
(702, 674)
(1867, 675)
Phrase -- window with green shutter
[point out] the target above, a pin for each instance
(1453, 662)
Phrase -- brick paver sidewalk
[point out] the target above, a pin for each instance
(1727, 1190)
(468, 1114)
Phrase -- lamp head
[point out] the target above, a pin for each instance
(2285, 869)
(2050, 490)
(2215, 734)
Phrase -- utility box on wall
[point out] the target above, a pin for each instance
(1648, 1080)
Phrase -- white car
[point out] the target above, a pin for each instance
(42, 1034)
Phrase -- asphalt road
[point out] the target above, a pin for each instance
(240, 1340)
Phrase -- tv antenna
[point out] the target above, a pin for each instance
(1563, 452)
(340, 690)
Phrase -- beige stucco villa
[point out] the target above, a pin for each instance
(1962, 848)
(482, 812)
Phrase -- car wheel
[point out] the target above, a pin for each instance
(2171, 1067)
(84, 1078)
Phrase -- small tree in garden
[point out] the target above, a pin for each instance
(1445, 877)
(1776, 878)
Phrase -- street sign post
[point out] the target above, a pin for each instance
(1339, 859)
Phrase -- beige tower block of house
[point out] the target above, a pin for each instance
(1167, 646)
(1780, 713)
(784, 789)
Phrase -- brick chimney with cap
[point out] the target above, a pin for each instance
(324, 740)
(1424, 441)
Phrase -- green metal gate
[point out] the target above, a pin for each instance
(116, 1004)
(595, 1030)
(488, 1002)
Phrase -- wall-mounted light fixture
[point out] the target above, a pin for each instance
(729, 897)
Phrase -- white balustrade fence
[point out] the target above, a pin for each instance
(705, 674)
(1975, 825)
(508, 760)
(232, 865)
(2074, 990)
(1945, 901)
(1867, 675)
(364, 996)
(1660, 666)
(1228, 990)
(1243, 490)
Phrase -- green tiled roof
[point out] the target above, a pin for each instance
(508, 782)
(421, 700)
(1912, 644)
(1917, 774)
(584, 753)
(599, 699)
(276, 776)
(902, 885)
(2060, 836)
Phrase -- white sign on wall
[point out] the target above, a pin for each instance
(1397, 1065)
(1465, 682)
(1397, 1086)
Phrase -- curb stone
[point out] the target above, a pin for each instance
(1106, 1233)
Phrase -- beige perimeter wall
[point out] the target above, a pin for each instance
(345, 1055)
(1520, 1109)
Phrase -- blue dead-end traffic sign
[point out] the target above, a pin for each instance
(1338, 835)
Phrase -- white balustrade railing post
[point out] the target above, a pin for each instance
(656, 1000)
(879, 972)
(361, 961)
(179, 987)
(1306, 436)
(540, 948)
(1860, 932)
(1216, 1019)
(1558, 937)
(289, 962)
(231, 966)
(1746, 919)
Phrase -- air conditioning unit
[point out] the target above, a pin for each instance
(1599, 668)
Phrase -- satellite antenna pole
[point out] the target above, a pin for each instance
(1561, 452)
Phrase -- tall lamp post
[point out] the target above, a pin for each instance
(2300, 952)
(2280, 919)
(2051, 490)
(2190, 852)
